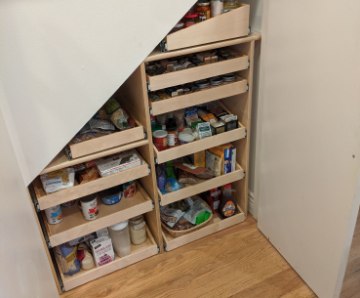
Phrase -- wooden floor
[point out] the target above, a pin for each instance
(238, 262)
(351, 286)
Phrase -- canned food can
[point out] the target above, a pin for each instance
(54, 215)
(89, 207)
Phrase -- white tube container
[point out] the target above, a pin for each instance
(120, 238)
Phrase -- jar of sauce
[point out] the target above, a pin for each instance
(137, 230)
(190, 19)
(204, 11)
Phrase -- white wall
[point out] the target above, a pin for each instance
(61, 60)
(25, 270)
(308, 144)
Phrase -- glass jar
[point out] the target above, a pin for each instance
(230, 5)
(138, 230)
(190, 19)
(120, 238)
(203, 10)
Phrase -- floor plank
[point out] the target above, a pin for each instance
(237, 262)
(351, 285)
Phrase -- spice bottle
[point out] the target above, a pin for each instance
(203, 9)
(230, 5)
(137, 230)
(120, 238)
(217, 7)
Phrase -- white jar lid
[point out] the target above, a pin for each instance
(160, 134)
(119, 226)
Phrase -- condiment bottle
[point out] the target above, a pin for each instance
(120, 238)
(227, 206)
(137, 230)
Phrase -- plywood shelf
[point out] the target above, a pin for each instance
(138, 253)
(214, 226)
(107, 142)
(157, 55)
(197, 73)
(74, 225)
(189, 191)
(198, 98)
(49, 200)
(200, 145)
(225, 26)
(61, 161)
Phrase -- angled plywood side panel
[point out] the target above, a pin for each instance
(61, 60)
(308, 150)
(25, 268)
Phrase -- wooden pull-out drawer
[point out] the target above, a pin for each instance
(214, 226)
(138, 252)
(198, 98)
(107, 142)
(81, 190)
(74, 225)
(189, 191)
(200, 145)
(197, 73)
(225, 26)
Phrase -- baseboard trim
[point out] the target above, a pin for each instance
(252, 205)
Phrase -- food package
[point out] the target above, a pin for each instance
(117, 163)
(102, 250)
(120, 119)
(198, 172)
(227, 154)
(58, 180)
(213, 162)
(88, 175)
(66, 255)
(170, 216)
(129, 189)
(198, 212)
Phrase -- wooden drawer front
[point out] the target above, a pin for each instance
(138, 253)
(226, 26)
(49, 200)
(200, 145)
(107, 142)
(198, 98)
(201, 187)
(216, 225)
(74, 225)
(197, 73)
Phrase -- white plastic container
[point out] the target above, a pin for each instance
(120, 237)
(54, 215)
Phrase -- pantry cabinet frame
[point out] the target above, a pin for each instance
(135, 90)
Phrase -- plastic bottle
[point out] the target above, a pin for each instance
(227, 206)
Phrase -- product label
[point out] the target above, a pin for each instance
(229, 209)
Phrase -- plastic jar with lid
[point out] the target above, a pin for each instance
(203, 9)
(231, 4)
(120, 238)
(137, 230)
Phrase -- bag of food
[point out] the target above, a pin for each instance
(170, 216)
(66, 255)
